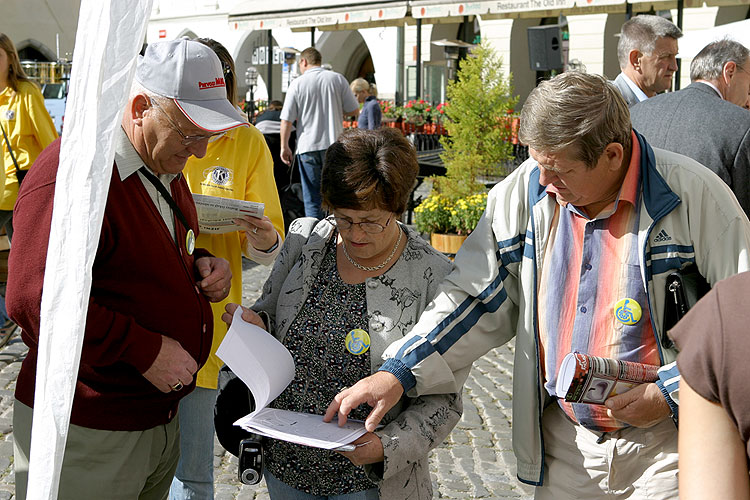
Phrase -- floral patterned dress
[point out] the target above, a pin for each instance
(323, 367)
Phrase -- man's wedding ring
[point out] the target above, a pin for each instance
(255, 230)
(178, 386)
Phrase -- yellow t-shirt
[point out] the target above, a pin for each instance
(238, 166)
(29, 128)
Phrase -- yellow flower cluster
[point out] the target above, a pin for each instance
(438, 214)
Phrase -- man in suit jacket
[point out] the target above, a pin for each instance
(647, 53)
(706, 120)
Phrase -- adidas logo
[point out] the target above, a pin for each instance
(662, 237)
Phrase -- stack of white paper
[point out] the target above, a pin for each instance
(216, 215)
(267, 367)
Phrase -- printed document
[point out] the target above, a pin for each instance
(216, 215)
(267, 367)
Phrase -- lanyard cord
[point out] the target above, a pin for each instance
(168, 198)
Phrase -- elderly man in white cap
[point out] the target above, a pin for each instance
(149, 323)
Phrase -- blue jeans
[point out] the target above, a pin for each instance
(279, 490)
(310, 165)
(194, 478)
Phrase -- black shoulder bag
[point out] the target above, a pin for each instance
(20, 174)
(683, 289)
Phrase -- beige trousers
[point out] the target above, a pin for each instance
(630, 463)
(112, 465)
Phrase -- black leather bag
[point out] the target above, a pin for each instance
(683, 289)
(233, 402)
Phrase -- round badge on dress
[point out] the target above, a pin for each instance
(628, 311)
(357, 341)
(190, 242)
(10, 114)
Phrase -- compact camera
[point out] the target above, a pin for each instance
(250, 468)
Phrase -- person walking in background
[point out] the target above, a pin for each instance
(149, 323)
(705, 120)
(237, 165)
(342, 289)
(269, 121)
(647, 51)
(366, 93)
(318, 100)
(27, 129)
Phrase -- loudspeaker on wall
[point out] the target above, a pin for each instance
(545, 47)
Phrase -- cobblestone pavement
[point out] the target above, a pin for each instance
(475, 462)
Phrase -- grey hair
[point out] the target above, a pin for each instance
(710, 61)
(641, 33)
(575, 110)
(136, 88)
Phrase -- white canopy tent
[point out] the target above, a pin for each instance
(691, 43)
(110, 35)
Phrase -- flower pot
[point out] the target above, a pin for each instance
(447, 243)
(391, 123)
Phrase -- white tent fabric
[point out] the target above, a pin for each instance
(692, 42)
(110, 35)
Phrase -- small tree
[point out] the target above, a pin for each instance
(478, 121)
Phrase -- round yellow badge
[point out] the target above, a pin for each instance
(357, 341)
(628, 311)
(190, 242)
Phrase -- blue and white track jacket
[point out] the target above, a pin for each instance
(687, 215)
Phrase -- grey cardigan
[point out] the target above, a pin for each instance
(395, 301)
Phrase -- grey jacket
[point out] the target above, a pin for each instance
(625, 90)
(696, 122)
(395, 300)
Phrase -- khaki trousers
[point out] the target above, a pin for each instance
(112, 465)
(630, 463)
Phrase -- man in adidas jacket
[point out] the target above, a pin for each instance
(594, 201)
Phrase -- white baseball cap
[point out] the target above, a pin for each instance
(191, 74)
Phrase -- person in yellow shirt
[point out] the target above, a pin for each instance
(26, 122)
(29, 129)
(237, 165)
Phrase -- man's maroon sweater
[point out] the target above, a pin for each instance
(143, 287)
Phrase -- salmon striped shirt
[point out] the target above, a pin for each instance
(590, 268)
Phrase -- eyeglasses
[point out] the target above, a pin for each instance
(368, 227)
(187, 140)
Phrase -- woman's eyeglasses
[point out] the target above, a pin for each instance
(368, 227)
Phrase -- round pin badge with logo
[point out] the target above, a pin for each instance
(190, 242)
(628, 311)
(10, 114)
(357, 341)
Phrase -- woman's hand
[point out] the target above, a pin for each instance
(369, 450)
(260, 232)
(247, 314)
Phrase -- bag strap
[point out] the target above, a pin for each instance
(10, 149)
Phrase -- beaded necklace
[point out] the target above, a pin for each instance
(379, 266)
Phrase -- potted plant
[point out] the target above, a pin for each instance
(478, 120)
(478, 144)
(448, 221)
(391, 113)
(416, 115)
(438, 114)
